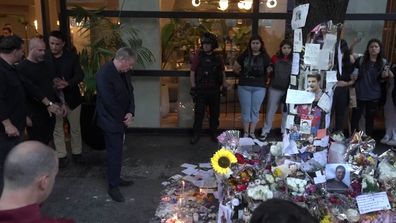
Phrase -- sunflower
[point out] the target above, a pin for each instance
(222, 160)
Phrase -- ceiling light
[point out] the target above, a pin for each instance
(195, 3)
(245, 4)
(223, 5)
(272, 3)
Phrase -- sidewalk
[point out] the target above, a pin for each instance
(80, 192)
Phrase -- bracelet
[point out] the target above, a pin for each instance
(50, 104)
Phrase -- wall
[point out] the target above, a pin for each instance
(147, 89)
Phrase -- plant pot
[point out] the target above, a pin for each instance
(91, 134)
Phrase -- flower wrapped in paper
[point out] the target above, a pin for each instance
(229, 139)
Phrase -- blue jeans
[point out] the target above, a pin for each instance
(250, 99)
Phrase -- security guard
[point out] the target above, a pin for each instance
(207, 76)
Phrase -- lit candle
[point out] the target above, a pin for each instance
(183, 185)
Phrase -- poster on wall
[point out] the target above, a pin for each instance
(299, 16)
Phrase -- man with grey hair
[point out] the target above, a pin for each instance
(29, 176)
(115, 108)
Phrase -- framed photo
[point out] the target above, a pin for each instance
(338, 177)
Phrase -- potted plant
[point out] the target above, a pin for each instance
(106, 37)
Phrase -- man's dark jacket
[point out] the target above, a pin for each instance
(114, 98)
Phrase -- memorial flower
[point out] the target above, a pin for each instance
(222, 160)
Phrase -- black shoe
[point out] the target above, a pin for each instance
(116, 195)
(63, 162)
(78, 159)
(194, 139)
(126, 183)
(213, 138)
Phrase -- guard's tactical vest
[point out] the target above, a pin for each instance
(281, 78)
(208, 74)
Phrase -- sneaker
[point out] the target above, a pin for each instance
(126, 183)
(78, 159)
(245, 135)
(263, 137)
(63, 162)
(194, 139)
(116, 195)
(385, 140)
(252, 135)
(391, 142)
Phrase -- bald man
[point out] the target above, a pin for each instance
(43, 99)
(29, 176)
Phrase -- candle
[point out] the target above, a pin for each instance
(195, 217)
(183, 185)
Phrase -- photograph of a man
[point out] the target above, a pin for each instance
(338, 177)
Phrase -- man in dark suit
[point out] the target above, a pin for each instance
(115, 108)
(12, 97)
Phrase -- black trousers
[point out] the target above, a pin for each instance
(340, 105)
(370, 107)
(43, 126)
(113, 143)
(212, 100)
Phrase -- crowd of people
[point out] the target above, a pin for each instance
(39, 92)
(370, 77)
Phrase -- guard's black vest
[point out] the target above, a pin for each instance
(208, 74)
(282, 71)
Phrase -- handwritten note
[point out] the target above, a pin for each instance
(329, 41)
(331, 76)
(299, 16)
(296, 63)
(325, 102)
(311, 54)
(299, 97)
(322, 63)
(372, 202)
(298, 41)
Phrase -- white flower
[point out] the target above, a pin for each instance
(352, 215)
(296, 185)
(269, 178)
(276, 150)
(260, 192)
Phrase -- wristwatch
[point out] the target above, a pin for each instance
(50, 103)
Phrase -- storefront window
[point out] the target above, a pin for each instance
(359, 6)
(273, 32)
(273, 6)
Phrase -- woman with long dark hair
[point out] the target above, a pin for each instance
(341, 92)
(368, 84)
(252, 69)
(280, 81)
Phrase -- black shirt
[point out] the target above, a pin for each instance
(12, 97)
(38, 82)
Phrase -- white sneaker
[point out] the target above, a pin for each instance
(263, 137)
(252, 135)
(391, 142)
(385, 140)
(245, 135)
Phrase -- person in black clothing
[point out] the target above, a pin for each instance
(341, 92)
(12, 97)
(253, 66)
(206, 76)
(115, 109)
(281, 211)
(368, 85)
(68, 72)
(42, 98)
